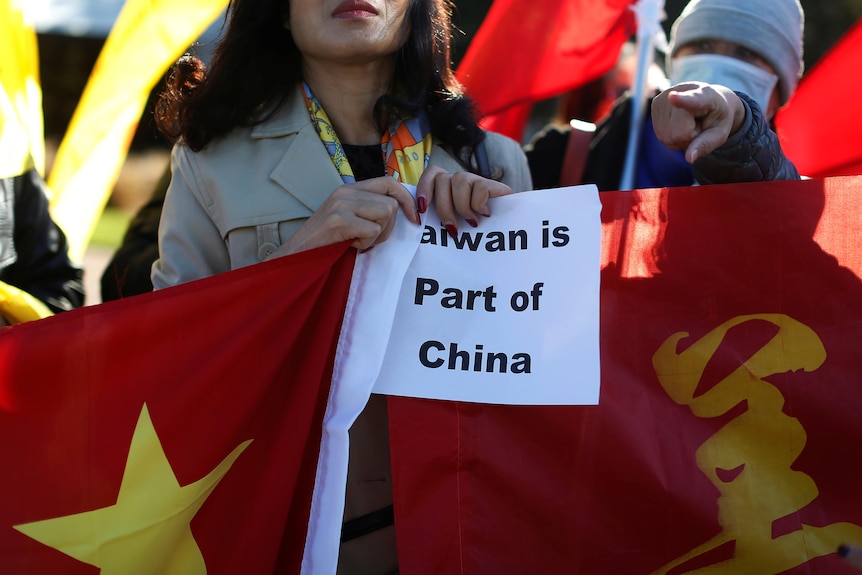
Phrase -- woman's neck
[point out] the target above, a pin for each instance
(348, 95)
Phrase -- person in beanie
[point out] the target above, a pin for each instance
(731, 65)
(766, 35)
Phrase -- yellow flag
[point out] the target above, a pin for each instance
(148, 36)
(22, 140)
(18, 306)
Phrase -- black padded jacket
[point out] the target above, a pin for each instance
(33, 249)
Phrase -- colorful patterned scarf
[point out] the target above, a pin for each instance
(406, 147)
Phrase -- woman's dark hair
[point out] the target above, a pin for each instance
(257, 66)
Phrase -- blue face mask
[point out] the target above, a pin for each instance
(735, 74)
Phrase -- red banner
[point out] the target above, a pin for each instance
(178, 432)
(726, 435)
(175, 432)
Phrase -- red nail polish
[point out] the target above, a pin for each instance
(423, 204)
(453, 231)
(473, 222)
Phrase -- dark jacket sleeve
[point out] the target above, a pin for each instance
(607, 155)
(42, 266)
(752, 154)
(545, 154)
(128, 272)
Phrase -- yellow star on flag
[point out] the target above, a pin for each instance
(148, 530)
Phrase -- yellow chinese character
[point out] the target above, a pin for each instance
(749, 459)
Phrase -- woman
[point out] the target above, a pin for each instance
(297, 137)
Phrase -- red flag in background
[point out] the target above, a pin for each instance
(530, 50)
(820, 126)
(150, 435)
(726, 439)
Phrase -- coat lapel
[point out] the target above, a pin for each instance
(305, 171)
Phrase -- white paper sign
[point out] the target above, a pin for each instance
(505, 313)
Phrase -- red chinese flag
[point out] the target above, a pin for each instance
(727, 434)
(175, 432)
(820, 126)
(530, 50)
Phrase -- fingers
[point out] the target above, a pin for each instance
(461, 194)
(711, 107)
(700, 101)
(375, 222)
(704, 144)
(425, 187)
(388, 186)
(364, 212)
(675, 127)
(695, 117)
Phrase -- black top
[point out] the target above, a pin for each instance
(128, 272)
(546, 154)
(366, 161)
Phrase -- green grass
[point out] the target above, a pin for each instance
(110, 228)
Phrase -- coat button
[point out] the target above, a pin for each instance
(265, 250)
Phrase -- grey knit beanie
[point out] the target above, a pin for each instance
(772, 28)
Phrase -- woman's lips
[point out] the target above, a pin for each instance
(354, 9)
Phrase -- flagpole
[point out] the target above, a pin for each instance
(649, 14)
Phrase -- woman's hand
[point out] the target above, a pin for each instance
(363, 212)
(696, 117)
(460, 194)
